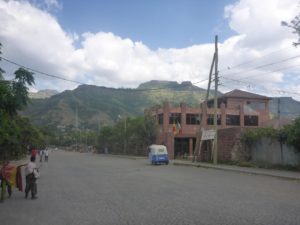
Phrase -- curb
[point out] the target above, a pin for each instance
(126, 156)
(238, 171)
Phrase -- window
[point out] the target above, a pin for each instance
(160, 118)
(233, 120)
(251, 120)
(256, 105)
(174, 118)
(210, 119)
(192, 119)
(210, 104)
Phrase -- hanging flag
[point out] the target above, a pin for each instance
(174, 129)
(178, 127)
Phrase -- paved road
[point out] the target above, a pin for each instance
(87, 189)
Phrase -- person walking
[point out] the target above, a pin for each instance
(33, 152)
(41, 153)
(32, 173)
(46, 154)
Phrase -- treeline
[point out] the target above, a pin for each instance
(17, 135)
(130, 135)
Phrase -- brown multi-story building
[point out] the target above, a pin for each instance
(178, 126)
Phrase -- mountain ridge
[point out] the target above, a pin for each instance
(94, 105)
(42, 94)
(91, 106)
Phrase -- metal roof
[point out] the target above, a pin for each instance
(242, 94)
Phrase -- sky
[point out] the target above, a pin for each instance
(123, 43)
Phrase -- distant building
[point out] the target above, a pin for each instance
(178, 126)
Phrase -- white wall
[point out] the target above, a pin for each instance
(269, 152)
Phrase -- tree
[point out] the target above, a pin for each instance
(20, 89)
(16, 132)
(295, 25)
(105, 138)
(293, 134)
(1, 70)
(14, 94)
(16, 135)
(150, 129)
(139, 133)
(4, 87)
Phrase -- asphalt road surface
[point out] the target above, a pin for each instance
(88, 189)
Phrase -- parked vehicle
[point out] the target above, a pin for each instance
(158, 154)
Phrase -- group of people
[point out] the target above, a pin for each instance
(44, 153)
(10, 175)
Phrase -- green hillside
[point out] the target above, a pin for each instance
(285, 107)
(97, 106)
(43, 94)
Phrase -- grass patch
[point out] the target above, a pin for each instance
(280, 167)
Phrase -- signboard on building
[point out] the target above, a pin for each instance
(208, 135)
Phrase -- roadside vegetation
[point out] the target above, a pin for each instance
(289, 134)
(139, 133)
(128, 136)
(17, 134)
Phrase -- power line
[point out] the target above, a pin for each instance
(78, 82)
(249, 84)
(40, 72)
(262, 66)
(283, 68)
(260, 74)
(250, 61)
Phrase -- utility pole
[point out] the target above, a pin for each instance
(204, 110)
(86, 140)
(209, 80)
(76, 125)
(125, 133)
(215, 152)
(125, 129)
(278, 108)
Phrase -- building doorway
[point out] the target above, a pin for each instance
(181, 148)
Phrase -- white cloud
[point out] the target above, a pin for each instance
(48, 5)
(33, 37)
(258, 22)
(53, 4)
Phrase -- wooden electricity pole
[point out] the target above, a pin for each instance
(209, 80)
(203, 110)
(215, 152)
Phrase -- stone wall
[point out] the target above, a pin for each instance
(230, 147)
